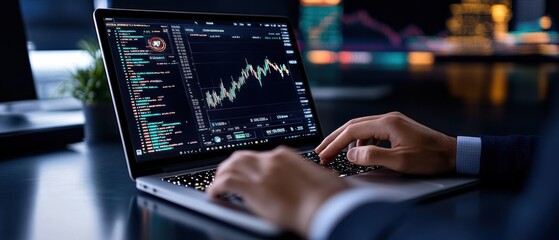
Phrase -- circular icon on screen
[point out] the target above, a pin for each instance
(157, 44)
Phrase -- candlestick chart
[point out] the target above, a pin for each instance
(215, 98)
(247, 78)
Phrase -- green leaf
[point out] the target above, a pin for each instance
(89, 84)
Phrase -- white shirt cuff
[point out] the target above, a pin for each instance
(337, 207)
(468, 155)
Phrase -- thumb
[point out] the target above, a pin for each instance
(370, 155)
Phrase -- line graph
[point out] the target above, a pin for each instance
(395, 38)
(362, 18)
(215, 98)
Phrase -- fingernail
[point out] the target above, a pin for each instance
(351, 155)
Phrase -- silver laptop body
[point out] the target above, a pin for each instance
(191, 88)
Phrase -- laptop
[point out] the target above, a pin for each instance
(191, 88)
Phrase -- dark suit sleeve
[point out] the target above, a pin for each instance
(507, 157)
(403, 221)
(534, 216)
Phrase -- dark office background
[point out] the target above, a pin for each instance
(372, 57)
(59, 24)
(465, 94)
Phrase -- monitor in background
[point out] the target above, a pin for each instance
(16, 82)
(21, 118)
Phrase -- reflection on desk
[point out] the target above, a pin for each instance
(85, 191)
(160, 219)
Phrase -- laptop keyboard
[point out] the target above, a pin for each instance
(340, 165)
(203, 179)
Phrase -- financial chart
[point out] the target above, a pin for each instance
(198, 86)
(216, 97)
(244, 78)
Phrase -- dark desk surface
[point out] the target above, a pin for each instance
(84, 192)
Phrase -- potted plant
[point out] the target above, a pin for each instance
(90, 86)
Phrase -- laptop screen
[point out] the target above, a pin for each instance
(197, 85)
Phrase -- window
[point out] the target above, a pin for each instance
(53, 29)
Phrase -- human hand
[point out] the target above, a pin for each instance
(277, 185)
(415, 149)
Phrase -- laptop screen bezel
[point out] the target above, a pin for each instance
(136, 168)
